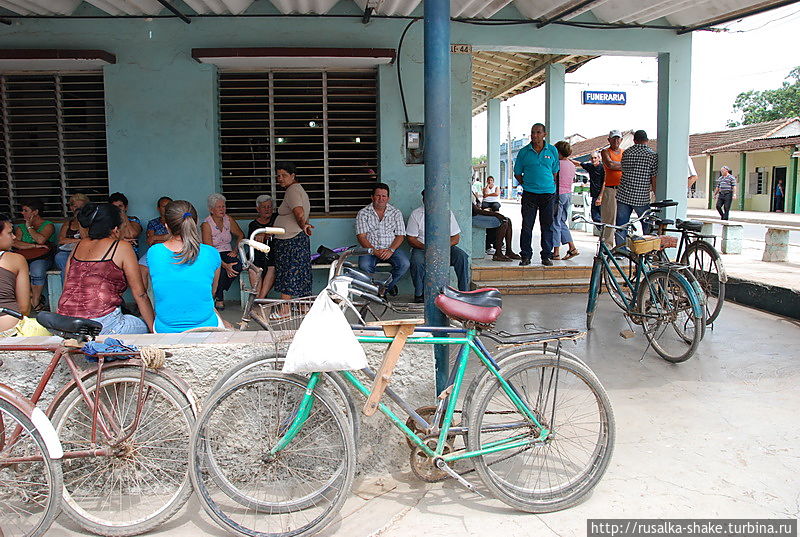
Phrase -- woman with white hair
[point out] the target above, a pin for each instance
(263, 280)
(223, 233)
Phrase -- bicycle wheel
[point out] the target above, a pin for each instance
(144, 480)
(331, 381)
(628, 267)
(706, 264)
(30, 492)
(667, 315)
(245, 489)
(569, 400)
(594, 289)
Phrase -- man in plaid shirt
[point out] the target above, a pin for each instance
(380, 226)
(639, 170)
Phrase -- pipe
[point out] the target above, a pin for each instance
(437, 169)
(738, 15)
(174, 10)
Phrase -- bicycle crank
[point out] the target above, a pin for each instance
(440, 464)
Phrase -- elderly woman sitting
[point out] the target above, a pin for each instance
(262, 280)
(223, 233)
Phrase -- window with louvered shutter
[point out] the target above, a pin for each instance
(52, 139)
(325, 122)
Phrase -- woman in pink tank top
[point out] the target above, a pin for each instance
(99, 271)
(220, 230)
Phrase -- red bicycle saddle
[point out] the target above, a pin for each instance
(482, 306)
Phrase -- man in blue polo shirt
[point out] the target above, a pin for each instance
(536, 169)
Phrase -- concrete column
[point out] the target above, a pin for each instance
(710, 177)
(793, 203)
(493, 140)
(554, 102)
(437, 169)
(674, 91)
(742, 180)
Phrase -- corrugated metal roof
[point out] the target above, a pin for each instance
(685, 13)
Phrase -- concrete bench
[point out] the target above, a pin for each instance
(776, 243)
(732, 234)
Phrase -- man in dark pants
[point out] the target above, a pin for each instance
(536, 169)
(596, 177)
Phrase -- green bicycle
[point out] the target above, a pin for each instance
(669, 307)
(274, 454)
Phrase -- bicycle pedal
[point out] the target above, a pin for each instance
(627, 334)
(440, 464)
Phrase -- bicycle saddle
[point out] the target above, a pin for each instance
(663, 222)
(482, 306)
(64, 325)
(664, 203)
(689, 225)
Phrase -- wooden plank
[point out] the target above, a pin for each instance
(400, 332)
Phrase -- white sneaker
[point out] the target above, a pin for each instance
(490, 251)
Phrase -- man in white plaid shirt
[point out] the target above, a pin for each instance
(639, 170)
(380, 226)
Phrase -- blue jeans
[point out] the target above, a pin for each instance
(61, 262)
(624, 216)
(459, 260)
(399, 262)
(561, 233)
(596, 212)
(544, 205)
(117, 322)
(38, 270)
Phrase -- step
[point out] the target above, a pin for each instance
(534, 272)
(537, 287)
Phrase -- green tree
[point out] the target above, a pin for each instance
(757, 106)
(478, 160)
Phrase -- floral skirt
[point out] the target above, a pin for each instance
(293, 265)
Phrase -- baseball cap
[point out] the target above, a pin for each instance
(614, 133)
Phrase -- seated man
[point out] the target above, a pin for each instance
(498, 229)
(415, 233)
(380, 226)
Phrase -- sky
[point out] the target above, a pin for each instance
(755, 53)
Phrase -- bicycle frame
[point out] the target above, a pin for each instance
(603, 255)
(470, 343)
(102, 417)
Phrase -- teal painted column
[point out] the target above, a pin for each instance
(554, 102)
(742, 180)
(493, 140)
(795, 182)
(710, 181)
(674, 92)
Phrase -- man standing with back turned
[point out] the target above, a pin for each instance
(639, 170)
(536, 169)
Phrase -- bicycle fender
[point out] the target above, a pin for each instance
(697, 307)
(37, 417)
(172, 376)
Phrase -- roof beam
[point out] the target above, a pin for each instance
(568, 11)
(522, 80)
(175, 11)
(758, 8)
(502, 67)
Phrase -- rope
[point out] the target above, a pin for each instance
(153, 357)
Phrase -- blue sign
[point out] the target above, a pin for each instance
(604, 97)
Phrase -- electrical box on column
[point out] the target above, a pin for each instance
(414, 142)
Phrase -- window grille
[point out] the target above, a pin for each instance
(323, 121)
(52, 139)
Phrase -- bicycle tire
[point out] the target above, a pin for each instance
(711, 281)
(664, 300)
(241, 460)
(331, 380)
(507, 475)
(22, 484)
(162, 435)
(595, 283)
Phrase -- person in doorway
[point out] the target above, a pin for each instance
(15, 287)
(223, 233)
(612, 170)
(477, 188)
(638, 183)
(380, 226)
(779, 196)
(263, 280)
(566, 176)
(691, 180)
(491, 195)
(536, 169)
(596, 178)
(131, 226)
(725, 191)
(157, 233)
(415, 233)
(35, 241)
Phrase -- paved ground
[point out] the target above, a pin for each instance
(716, 436)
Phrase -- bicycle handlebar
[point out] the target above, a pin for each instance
(6, 311)
(247, 247)
(629, 225)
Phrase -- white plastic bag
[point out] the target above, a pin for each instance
(324, 341)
